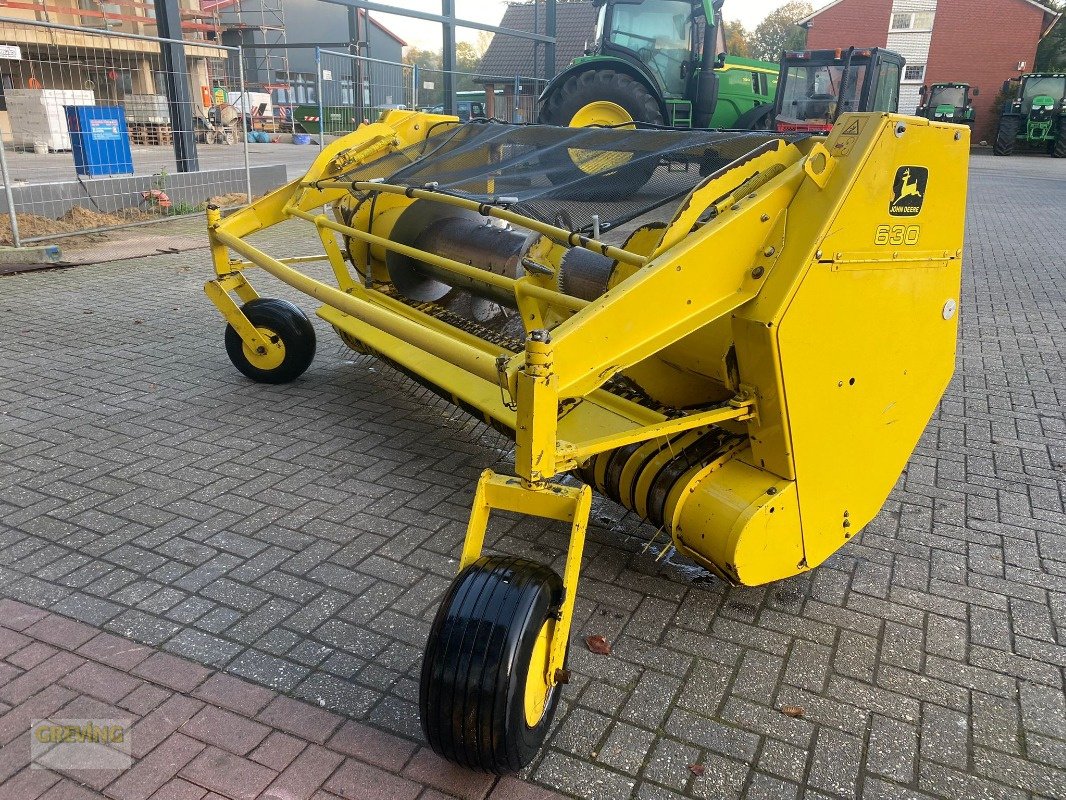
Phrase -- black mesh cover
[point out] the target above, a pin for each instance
(564, 176)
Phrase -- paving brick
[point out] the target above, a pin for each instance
(144, 698)
(161, 723)
(226, 730)
(227, 774)
(277, 751)
(10, 641)
(40, 676)
(31, 655)
(374, 747)
(233, 693)
(300, 719)
(178, 789)
(175, 673)
(428, 768)
(114, 651)
(357, 781)
(156, 768)
(100, 681)
(62, 632)
(307, 773)
(18, 616)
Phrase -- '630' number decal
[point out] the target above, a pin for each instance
(897, 235)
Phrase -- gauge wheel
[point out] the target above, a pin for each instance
(291, 338)
(484, 698)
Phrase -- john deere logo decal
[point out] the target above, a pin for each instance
(908, 191)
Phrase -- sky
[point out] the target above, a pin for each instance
(427, 34)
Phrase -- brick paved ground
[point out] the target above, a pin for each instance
(196, 733)
(300, 537)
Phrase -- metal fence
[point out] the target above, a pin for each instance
(87, 139)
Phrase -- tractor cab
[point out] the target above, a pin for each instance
(817, 86)
(661, 35)
(948, 102)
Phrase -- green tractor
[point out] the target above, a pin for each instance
(948, 102)
(1036, 115)
(655, 63)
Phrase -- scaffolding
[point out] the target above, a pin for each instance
(258, 26)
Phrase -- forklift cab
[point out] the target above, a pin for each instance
(817, 86)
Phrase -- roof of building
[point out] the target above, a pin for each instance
(1050, 15)
(508, 56)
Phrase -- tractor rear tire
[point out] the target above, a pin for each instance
(603, 86)
(1007, 136)
(478, 673)
(755, 119)
(1060, 140)
(598, 85)
(292, 336)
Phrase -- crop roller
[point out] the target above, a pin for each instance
(738, 336)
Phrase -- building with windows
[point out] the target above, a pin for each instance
(272, 32)
(980, 42)
(111, 67)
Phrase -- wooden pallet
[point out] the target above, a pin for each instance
(150, 133)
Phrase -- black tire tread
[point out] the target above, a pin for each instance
(1060, 139)
(586, 87)
(288, 322)
(1007, 136)
(473, 653)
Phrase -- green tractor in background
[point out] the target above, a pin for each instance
(948, 102)
(655, 62)
(1036, 116)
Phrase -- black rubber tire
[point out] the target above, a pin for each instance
(577, 92)
(1007, 136)
(599, 84)
(472, 691)
(1060, 140)
(755, 119)
(289, 323)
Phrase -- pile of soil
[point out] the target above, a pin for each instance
(230, 199)
(78, 218)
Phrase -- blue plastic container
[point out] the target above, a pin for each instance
(99, 140)
(301, 138)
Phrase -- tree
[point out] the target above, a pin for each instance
(779, 31)
(736, 39)
(1051, 54)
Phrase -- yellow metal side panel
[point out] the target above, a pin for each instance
(868, 342)
(861, 386)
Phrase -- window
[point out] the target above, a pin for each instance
(887, 96)
(913, 21)
(659, 32)
(915, 73)
(302, 88)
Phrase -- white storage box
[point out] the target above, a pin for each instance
(151, 108)
(38, 116)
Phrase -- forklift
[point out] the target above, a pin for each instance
(817, 86)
